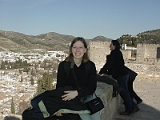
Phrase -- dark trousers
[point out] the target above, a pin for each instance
(132, 92)
(125, 95)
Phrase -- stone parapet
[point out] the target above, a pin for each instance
(104, 91)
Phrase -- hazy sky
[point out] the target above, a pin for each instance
(84, 18)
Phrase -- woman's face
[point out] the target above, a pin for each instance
(78, 50)
(112, 47)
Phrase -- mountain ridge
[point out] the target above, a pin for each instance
(19, 42)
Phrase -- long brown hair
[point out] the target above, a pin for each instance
(85, 56)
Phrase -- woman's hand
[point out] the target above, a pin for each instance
(69, 95)
(59, 114)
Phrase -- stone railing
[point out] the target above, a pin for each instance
(104, 91)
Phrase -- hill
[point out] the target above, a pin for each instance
(148, 37)
(18, 42)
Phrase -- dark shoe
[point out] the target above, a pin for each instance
(135, 110)
(139, 101)
(124, 113)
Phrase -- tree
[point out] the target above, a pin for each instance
(39, 87)
(45, 83)
(21, 79)
(20, 71)
(32, 72)
(26, 69)
(32, 80)
(3, 65)
(12, 107)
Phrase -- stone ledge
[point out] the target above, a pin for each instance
(104, 91)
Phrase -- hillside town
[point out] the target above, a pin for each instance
(17, 86)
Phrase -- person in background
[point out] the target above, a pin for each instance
(115, 66)
(78, 53)
(108, 73)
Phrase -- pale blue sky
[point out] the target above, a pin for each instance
(84, 18)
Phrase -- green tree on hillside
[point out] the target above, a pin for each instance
(12, 107)
(45, 83)
(32, 80)
(148, 37)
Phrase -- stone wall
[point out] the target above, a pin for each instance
(126, 54)
(98, 51)
(104, 91)
(148, 53)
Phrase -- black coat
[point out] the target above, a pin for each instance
(86, 81)
(53, 101)
(114, 65)
(132, 74)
